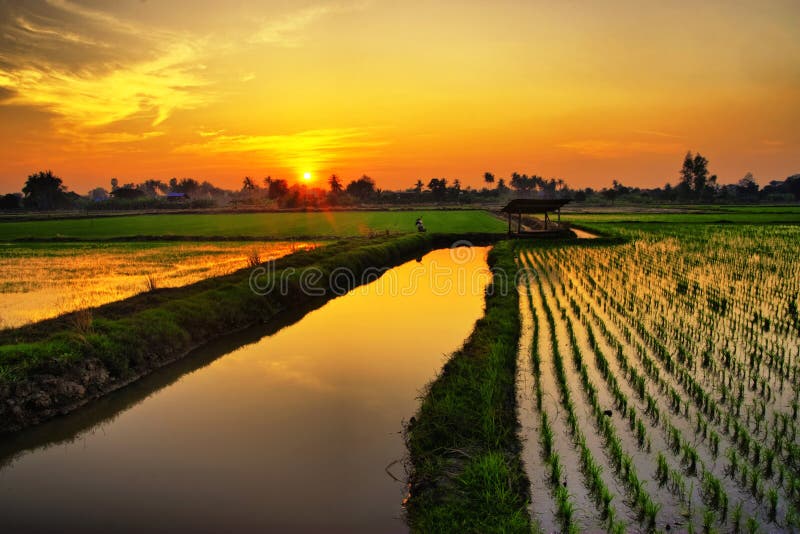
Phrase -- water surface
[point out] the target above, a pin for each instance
(43, 280)
(291, 433)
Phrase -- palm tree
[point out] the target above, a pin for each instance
(248, 184)
(418, 186)
(335, 184)
(488, 178)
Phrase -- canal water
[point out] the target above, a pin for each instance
(292, 428)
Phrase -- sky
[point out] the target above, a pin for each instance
(585, 91)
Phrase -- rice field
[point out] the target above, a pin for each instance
(40, 281)
(662, 381)
(266, 226)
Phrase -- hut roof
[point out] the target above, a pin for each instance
(534, 205)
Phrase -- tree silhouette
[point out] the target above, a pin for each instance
(335, 184)
(694, 175)
(188, 186)
(44, 191)
(610, 194)
(153, 187)
(362, 189)
(438, 187)
(418, 186)
(747, 187)
(277, 188)
(700, 177)
(525, 183)
(488, 178)
(248, 184)
(11, 201)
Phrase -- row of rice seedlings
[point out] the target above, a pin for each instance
(565, 508)
(621, 461)
(677, 486)
(536, 359)
(712, 437)
(764, 385)
(690, 454)
(673, 479)
(592, 471)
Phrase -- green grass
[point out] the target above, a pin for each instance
(610, 222)
(256, 225)
(463, 444)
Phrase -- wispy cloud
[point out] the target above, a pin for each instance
(77, 63)
(92, 69)
(658, 134)
(287, 29)
(598, 148)
(55, 33)
(308, 150)
(153, 89)
(770, 146)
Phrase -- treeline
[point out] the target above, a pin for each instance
(697, 185)
(45, 191)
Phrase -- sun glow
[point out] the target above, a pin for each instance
(307, 176)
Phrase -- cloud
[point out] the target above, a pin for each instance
(52, 33)
(154, 89)
(124, 137)
(598, 148)
(286, 30)
(770, 146)
(308, 150)
(658, 134)
(91, 69)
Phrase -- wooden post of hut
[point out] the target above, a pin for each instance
(534, 206)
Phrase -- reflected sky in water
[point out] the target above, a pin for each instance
(291, 433)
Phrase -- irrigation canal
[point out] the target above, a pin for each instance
(287, 427)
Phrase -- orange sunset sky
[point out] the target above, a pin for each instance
(581, 90)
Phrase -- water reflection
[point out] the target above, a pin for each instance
(44, 280)
(290, 433)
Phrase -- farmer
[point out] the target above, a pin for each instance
(420, 226)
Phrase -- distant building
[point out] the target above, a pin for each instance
(176, 197)
(127, 193)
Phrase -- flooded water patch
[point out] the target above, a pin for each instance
(43, 280)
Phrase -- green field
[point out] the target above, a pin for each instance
(738, 215)
(254, 225)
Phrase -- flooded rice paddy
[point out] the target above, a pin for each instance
(44, 280)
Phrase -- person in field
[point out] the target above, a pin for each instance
(420, 226)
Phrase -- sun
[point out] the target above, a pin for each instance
(307, 176)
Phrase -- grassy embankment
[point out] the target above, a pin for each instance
(266, 226)
(463, 443)
(612, 223)
(52, 366)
